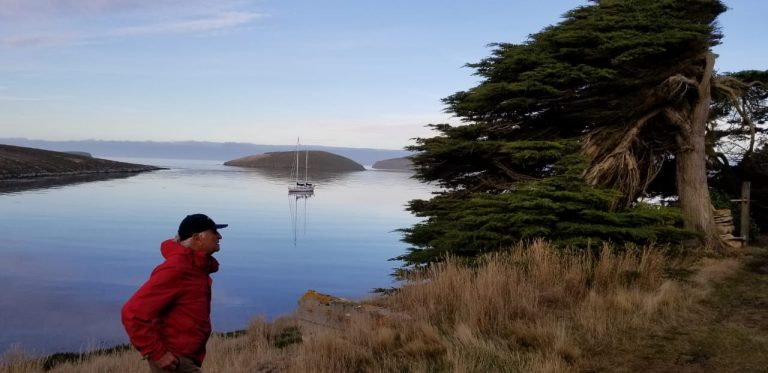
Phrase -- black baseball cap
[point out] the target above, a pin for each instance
(197, 223)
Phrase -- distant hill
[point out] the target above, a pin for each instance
(215, 151)
(402, 163)
(319, 161)
(20, 163)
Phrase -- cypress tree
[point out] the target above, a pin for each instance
(567, 130)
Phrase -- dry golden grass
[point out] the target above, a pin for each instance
(529, 309)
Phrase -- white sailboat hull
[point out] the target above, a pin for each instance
(301, 188)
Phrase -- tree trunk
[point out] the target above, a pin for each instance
(691, 158)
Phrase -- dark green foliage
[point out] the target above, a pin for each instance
(561, 208)
(603, 58)
(288, 336)
(471, 158)
(513, 171)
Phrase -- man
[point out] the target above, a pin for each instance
(168, 318)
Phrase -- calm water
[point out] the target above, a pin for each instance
(71, 255)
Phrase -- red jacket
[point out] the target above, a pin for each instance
(171, 311)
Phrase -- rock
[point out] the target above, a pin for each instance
(732, 242)
(321, 311)
(724, 228)
(723, 219)
(721, 212)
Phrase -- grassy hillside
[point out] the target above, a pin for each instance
(22, 163)
(530, 309)
(318, 161)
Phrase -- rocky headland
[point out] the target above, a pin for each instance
(318, 161)
(20, 163)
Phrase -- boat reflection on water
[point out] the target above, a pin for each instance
(318, 177)
(297, 204)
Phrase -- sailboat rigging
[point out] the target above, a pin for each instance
(299, 186)
(298, 217)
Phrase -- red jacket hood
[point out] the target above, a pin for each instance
(170, 248)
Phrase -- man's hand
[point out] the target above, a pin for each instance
(169, 361)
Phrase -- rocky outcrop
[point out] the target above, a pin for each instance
(402, 163)
(318, 161)
(24, 163)
(318, 312)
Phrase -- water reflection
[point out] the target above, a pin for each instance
(20, 185)
(77, 253)
(284, 175)
(297, 205)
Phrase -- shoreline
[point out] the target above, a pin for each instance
(52, 359)
(21, 177)
(41, 180)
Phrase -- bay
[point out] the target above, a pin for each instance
(71, 255)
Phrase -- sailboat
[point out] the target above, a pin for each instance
(305, 186)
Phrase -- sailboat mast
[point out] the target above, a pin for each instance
(297, 160)
(306, 164)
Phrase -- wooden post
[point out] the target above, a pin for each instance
(745, 224)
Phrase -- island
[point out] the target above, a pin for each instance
(402, 163)
(316, 160)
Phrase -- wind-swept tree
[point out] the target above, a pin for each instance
(737, 139)
(631, 81)
(739, 113)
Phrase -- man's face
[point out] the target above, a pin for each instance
(208, 241)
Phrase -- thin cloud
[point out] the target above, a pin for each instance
(41, 23)
(23, 41)
(211, 23)
(214, 22)
(45, 9)
(37, 9)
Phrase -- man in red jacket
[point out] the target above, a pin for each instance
(168, 319)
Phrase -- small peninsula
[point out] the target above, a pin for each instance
(18, 162)
(402, 163)
(317, 160)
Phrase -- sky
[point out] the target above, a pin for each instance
(353, 73)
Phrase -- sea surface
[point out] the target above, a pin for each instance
(71, 255)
